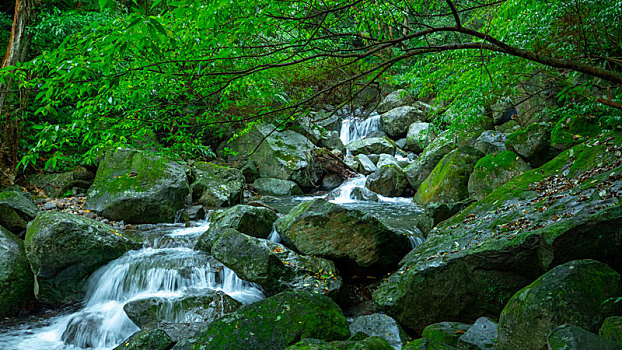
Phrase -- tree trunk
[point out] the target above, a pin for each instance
(17, 50)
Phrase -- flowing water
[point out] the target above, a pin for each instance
(166, 268)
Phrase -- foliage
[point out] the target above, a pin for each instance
(177, 76)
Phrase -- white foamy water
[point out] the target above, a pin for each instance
(167, 273)
(353, 128)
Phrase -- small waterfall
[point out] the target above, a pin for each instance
(344, 194)
(354, 128)
(164, 273)
(274, 236)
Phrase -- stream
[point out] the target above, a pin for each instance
(167, 267)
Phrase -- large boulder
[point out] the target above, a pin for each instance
(395, 122)
(16, 280)
(273, 266)
(276, 187)
(448, 182)
(569, 293)
(250, 220)
(16, 209)
(59, 184)
(572, 337)
(494, 170)
(419, 136)
(283, 155)
(395, 99)
(64, 249)
(533, 143)
(157, 312)
(419, 170)
(273, 323)
(573, 130)
(443, 335)
(566, 210)
(328, 230)
(216, 186)
(371, 145)
(366, 166)
(388, 180)
(490, 141)
(137, 188)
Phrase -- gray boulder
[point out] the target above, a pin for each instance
(533, 143)
(16, 280)
(152, 339)
(395, 122)
(328, 230)
(64, 249)
(419, 136)
(138, 188)
(251, 220)
(490, 141)
(371, 145)
(217, 186)
(389, 181)
(395, 99)
(386, 159)
(534, 311)
(380, 325)
(366, 166)
(16, 209)
(276, 187)
(421, 167)
(273, 266)
(481, 336)
(494, 170)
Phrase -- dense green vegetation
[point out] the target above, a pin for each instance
(177, 77)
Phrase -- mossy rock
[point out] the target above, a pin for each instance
(275, 267)
(573, 130)
(217, 186)
(569, 293)
(16, 279)
(157, 312)
(396, 121)
(152, 339)
(419, 136)
(388, 180)
(55, 184)
(612, 329)
(250, 220)
(16, 210)
(284, 155)
(444, 333)
(370, 343)
(372, 145)
(395, 99)
(273, 323)
(572, 337)
(276, 187)
(493, 171)
(138, 188)
(328, 230)
(533, 143)
(64, 250)
(448, 182)
(566, 210)
(419, 170)
(380, 325)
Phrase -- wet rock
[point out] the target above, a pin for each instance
(395, 122)
(440, 212)
(448, 182)
(380, 325)
(16, 210)
(568, 209)
(397, 98)
(273, 323)
(371, 145)
(569, 293)
(157, 312)
(571, 337)
(195, 212)
(493, 171)
(282, 155)
(386, 159)
(55, 184)
(533, 143)
(388, 180)
(138, 188)
(482, 335)
(16, 280)
(276, 187)
(251, 220)
(273, 266)
(328, 230)
(363, 194)
(419, 170)
(331, 181)
(611, 329)
(64, 249)
(216, 186)
(152, 339)
(418, 137)
(366, 166)
(490, 141)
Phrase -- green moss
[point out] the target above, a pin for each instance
(574, 130)
(612, 329)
